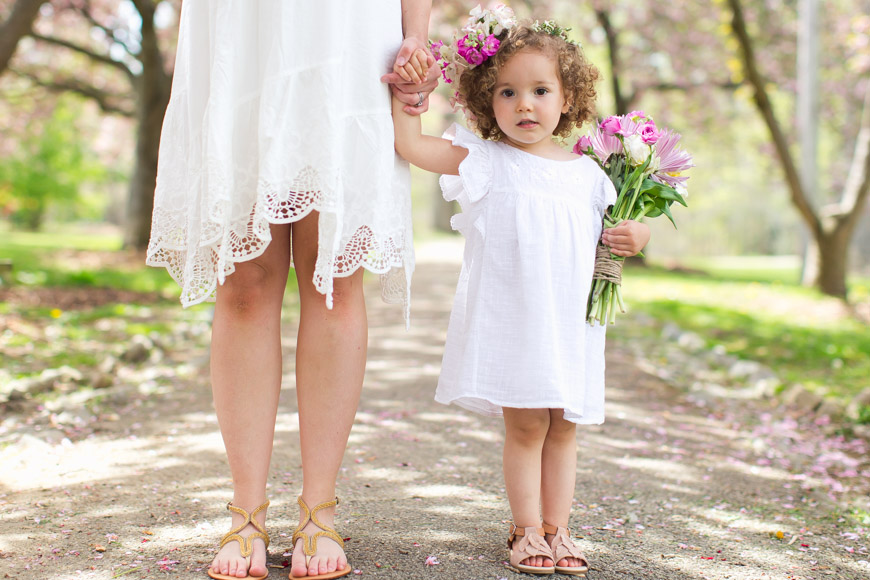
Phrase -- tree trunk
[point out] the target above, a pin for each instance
(832, 227)
(153, 88)
(833, 253)
(18, 25)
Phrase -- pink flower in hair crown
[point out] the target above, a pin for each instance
(475, 43)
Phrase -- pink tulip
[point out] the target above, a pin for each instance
(583, 145)
(611, 125)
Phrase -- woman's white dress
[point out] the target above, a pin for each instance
(518, 335)
(277, 109)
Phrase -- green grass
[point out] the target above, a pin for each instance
(759, 314)
(49, 260)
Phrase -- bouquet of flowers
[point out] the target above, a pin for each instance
(646, 166)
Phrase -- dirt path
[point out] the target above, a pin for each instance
(666, 489)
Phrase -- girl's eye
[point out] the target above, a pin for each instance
(507, 93)
(541, 91)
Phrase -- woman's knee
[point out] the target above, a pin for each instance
(348, 300)
(251, 287)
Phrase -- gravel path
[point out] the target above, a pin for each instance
(666, 489)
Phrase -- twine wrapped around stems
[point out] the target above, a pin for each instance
(606, 266)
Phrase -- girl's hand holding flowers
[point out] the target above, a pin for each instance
(626, 239)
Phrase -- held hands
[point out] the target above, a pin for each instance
(626, 239)
(416, 69)
(413, 76)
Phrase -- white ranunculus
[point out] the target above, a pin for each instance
(636, 150)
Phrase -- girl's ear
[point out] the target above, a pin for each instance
(566, 107)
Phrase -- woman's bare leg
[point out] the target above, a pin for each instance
(559, 474)
(330, 363)
(246, 380)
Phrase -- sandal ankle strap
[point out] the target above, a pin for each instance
(548, 529)
(518, 531)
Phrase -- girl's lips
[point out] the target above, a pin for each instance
(526, 123)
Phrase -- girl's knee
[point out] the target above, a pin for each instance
(526, 425)
(561, 427)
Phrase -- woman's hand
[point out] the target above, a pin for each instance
(626, 239)
(414, 95)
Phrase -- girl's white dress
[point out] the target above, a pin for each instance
(277, 109)
(518, 335)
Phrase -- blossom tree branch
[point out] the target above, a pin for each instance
(18, 25)
(108, 102)
(100, 58)
(765, 107)
(858, 182)
(86, 11)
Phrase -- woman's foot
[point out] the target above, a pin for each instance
(230, 562)
(328, 558)
(243, 549)
(318, 550)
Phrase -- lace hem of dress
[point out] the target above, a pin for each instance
(199, 265)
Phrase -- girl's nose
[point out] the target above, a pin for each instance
(524, 104)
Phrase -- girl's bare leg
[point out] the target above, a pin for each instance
(559, 474)
(525, 431)
(330, 363)
(246, 380)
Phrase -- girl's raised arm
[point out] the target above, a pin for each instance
(425, 151)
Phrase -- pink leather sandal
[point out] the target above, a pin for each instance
(563, 547)
(531, 543)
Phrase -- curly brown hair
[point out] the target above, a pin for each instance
(576, 75)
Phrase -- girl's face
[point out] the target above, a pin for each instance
(528, 100)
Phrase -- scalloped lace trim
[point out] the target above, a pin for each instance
(199, 265)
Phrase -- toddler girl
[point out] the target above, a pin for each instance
(518, 344)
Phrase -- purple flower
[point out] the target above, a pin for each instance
(649, 133)
(435, 47)
(638, 116)
(611, 125)
(490, 45)
(583, 145)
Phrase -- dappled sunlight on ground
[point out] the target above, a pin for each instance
(666, 489)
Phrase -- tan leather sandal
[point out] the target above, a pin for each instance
(564, 547)
(309, 543)
(531, 544)
(247, 544)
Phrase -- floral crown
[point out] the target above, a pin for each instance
(481, 37)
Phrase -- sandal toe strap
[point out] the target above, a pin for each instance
(247, 544)
(531, 543)
(563, 547)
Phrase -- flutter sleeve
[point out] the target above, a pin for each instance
(605, 194)
(475, 171)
